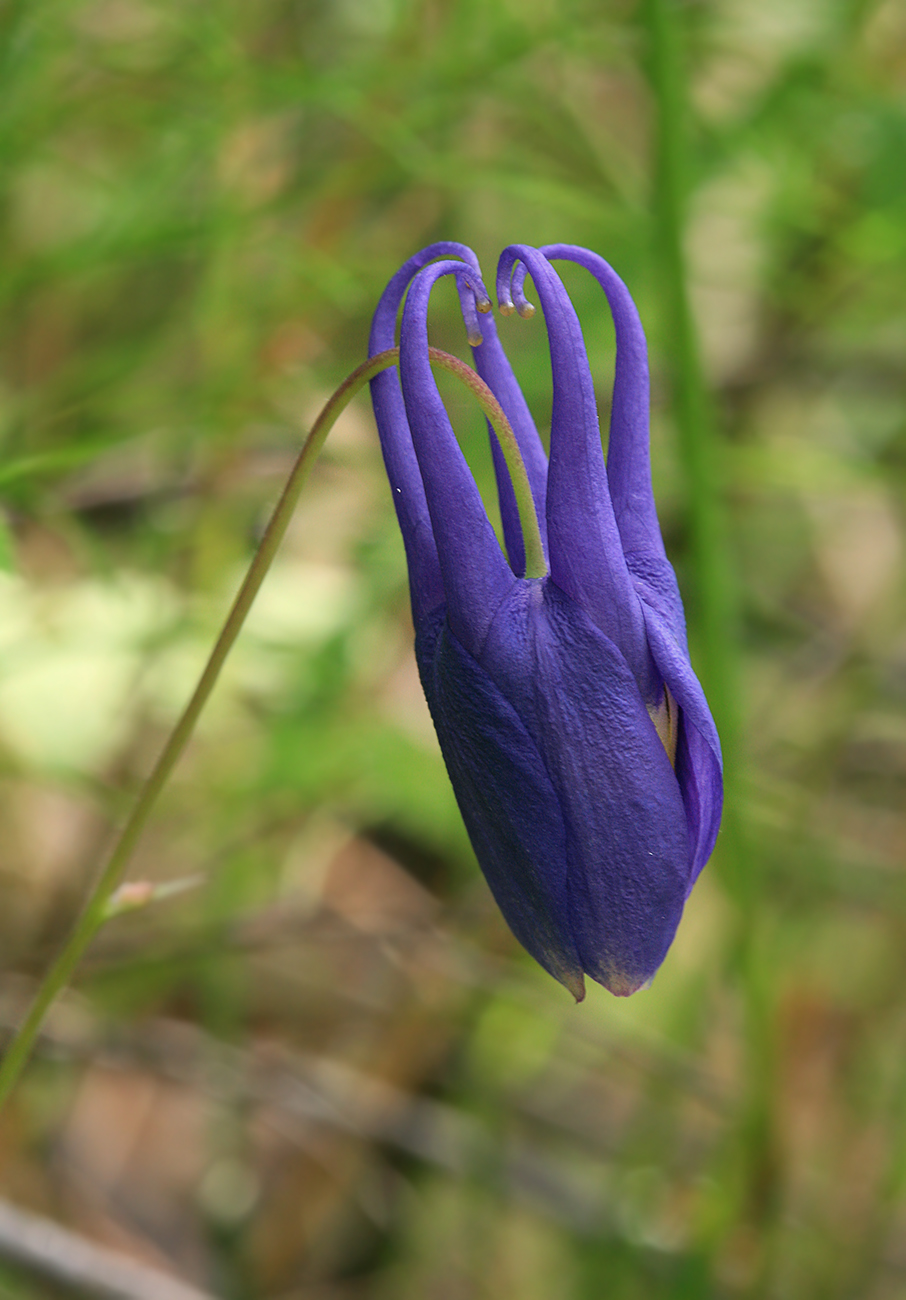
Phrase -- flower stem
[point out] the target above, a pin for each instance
(97, 909)
(535, 564)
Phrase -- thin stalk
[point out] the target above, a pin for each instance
(97, 909)
(715, 627)
(535, 564)
(716, 606)
(699, 444)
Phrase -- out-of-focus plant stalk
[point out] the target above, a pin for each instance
(713, 606)
(99, 907)
(715, 599)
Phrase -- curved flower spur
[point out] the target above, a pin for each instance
(578, 741)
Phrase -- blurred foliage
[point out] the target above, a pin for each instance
(328, 1071)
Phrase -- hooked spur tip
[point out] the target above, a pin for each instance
(517, 289)
(478, 292)
(505, 308)
(473, 298)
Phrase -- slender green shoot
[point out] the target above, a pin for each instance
(716, 596)
(700, 449)
(104, 901)
(535, 565)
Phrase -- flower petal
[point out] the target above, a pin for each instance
(476, 576)
(627, 844)
(425, 584)
(628, 456)
(586, 552)
(628, 449)
(699, 765)
(508, 804)
(494, 368)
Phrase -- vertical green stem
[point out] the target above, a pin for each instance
(714, 613)
(715, 603)
(97, 910)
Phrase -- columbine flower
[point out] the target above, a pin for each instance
(580, 746)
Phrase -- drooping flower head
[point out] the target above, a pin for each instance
(578, 741)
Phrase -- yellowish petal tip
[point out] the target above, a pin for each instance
(623, 986)
(475, 340)
(526, 311)
(484, 306)
(506, 308)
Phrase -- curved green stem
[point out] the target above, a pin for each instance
(97, 910)
(535, 564)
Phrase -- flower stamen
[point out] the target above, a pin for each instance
(665, 717)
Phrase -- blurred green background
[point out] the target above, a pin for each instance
(327, 1071)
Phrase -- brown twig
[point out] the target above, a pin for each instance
(46, 1248)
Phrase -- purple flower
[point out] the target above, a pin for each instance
(578, 741)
